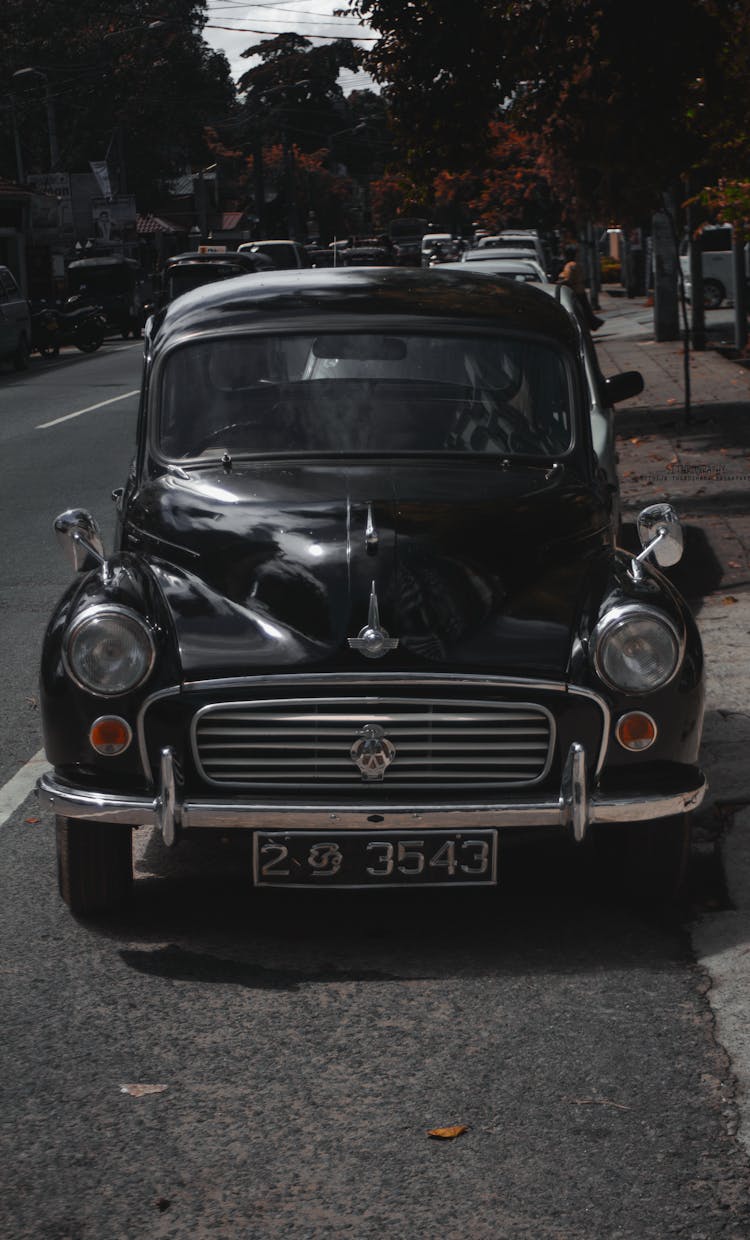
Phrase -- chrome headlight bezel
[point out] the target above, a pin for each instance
(98, 612)
(615, 622)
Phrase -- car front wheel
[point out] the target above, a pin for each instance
(94, 865)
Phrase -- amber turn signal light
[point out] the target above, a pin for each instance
(636, 730)
(110, 735)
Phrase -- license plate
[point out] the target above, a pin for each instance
(385, 859)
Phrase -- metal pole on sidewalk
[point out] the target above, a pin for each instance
(740, 289)
(695, 259)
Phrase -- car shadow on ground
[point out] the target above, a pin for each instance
(196, 916)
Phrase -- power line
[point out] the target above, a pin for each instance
(250, 30)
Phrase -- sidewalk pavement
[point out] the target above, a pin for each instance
(702, 466)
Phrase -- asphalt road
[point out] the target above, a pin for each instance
(303, 1048)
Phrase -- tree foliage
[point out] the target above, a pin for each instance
(120, 82)
(623, 98)
(293, 101)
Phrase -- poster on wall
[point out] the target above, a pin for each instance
(51, 204)
(113, 220)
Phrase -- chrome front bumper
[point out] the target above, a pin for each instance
(574, 809)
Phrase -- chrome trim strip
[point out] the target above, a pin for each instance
(574, 801)
(374, 679)
(140, 726)
(166, 802)
(110, 808)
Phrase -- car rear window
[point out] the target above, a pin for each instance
(359, 392)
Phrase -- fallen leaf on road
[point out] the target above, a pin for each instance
(32, 820)
(448, 1134)
(728, 600)
(140, 1091)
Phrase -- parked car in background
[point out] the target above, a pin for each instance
(406, 233)
(527, 270)
(365, 605)
(717, 264)
(285, 255)
(515, 240)
(15, 322)
(366, 252)
(437, 243)
(491, 254)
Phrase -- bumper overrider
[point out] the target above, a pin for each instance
(678, 789)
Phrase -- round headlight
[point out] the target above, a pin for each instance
(109, 650)
(636, 650)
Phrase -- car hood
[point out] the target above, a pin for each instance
(272, 567)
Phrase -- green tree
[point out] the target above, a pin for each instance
(121, 82)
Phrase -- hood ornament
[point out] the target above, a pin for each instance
(373, 641)
(373, 753)
(372, 538)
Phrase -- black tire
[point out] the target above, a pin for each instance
(22, 354)
(91, 337)
(713, 294)
(94, 865)
(647, 861)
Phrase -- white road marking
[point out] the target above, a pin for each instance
(89, 408)
(15, 792)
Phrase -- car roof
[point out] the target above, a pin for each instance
(499, 265)
(498, 251)
(369, 293)
(246, 261)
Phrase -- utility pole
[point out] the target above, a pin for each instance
(258, 182)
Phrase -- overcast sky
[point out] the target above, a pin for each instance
(246, 24)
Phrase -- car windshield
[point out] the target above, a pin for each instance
(349, 393)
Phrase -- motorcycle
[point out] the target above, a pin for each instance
(81, 325)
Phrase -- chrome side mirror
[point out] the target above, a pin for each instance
(79, 536)
(660, 534)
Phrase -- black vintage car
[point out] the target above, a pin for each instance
(366, 603)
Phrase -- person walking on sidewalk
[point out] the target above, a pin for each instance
(572, 275)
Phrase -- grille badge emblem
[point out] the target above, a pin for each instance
(373, 753)
(373, 641)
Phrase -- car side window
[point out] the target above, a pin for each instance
(8, 286)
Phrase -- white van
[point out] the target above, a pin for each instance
(715, 241)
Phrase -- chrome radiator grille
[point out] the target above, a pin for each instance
(304, 743)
